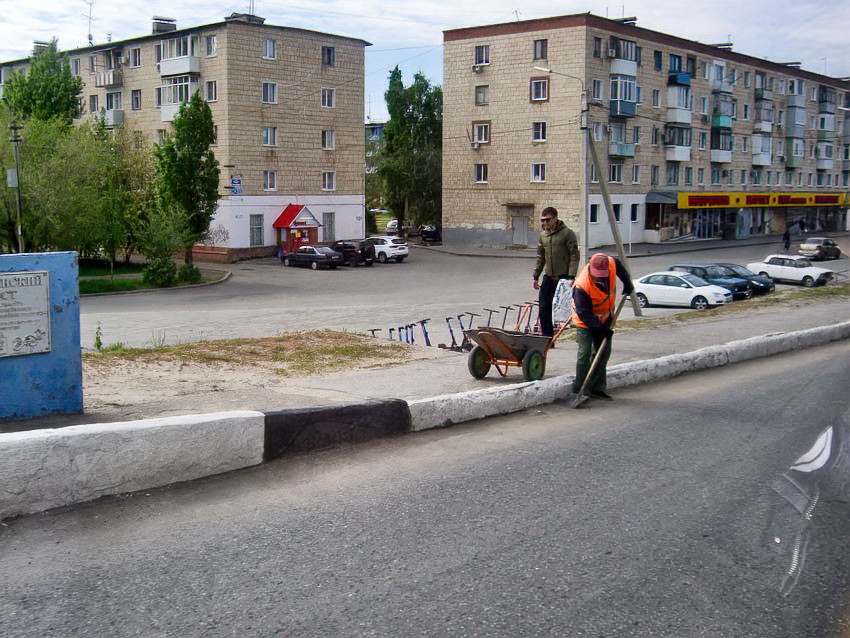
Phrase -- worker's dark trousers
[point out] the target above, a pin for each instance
(544, 300)
(587, 348)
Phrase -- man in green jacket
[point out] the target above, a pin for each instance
(557, 258)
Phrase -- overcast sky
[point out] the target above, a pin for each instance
(410, 34)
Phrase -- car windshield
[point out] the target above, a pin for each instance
(741, 271)
(693, 279)
(324, 249)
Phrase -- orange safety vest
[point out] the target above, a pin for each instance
(602, 302)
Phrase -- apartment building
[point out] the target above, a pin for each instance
(696, 141)
(288, 109)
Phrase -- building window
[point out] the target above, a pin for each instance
(541, 49)
(744, 143)
(136, 99)
(329, 181)
(269, 181)
(675, 63)
(212, 45)
(181, 47)
(689, 175)
(481, 132)
(75, 66)
(482, 54)
(700, 176)
(597, 47)
(157, 53)
(615, 173)
(269, 49)
(92, 64)
(176, 89)
(653, 176)
(256, 229)
(138, 140)
(657, 57)
(212, 90)
(655, 136)
(746, 111)
(481, 173)
(703, 105)
(598, 131)
(594, 213)
(597, 89)
(634, 214)
(635, 174)
(594, 178)
(672, 173)
(329, 98)
(158, 96)
(538, 172)
(269, 93)
(656, 97)
(482, 95)
(538, 131)
(215, 135)
(328, 140)
(113, 101)
(756, 176)
(270, 136)
(328, 56)
(617, 208)
(160, 135)
(136, 57)
(744, 176)
(636, 135)
(539, 89)
(677, 136)
(623, 88)
(703, 138)
(715, 176)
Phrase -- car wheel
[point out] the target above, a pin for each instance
(764, 274)
(808, 282)
(478, 363)
(699, 303)
(642, 300)
(533, 365)
(382, 257)
(287, 261)
(314, 265)
(399, 259)
(368, 263)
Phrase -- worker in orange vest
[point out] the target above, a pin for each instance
(594, 294)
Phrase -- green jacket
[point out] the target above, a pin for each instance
(557, 253)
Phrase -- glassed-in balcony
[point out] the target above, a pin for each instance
(720, 157)
(620, 66)
(621, 149)
(826, 107)
(113, 117)
(793, 161)
(721, 86)
(180, 66)
(795, 130)
(679, 77)
(678, 153)
(825, 163)
(622, 108)
(762, 126)
(764, 94)
(761, 159)
(721, 121)
(795, 101)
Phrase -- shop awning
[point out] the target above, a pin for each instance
(661, 197)
(296, 216)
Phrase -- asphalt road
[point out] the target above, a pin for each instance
(263, 298)
(653, 515)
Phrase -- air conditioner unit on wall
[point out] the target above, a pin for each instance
(612, 53)
(474, 145)
(477, 68)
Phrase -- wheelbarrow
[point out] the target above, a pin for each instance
(502, 349)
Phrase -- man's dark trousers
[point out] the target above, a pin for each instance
(588, 345)
(548, 286)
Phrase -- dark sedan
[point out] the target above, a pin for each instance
(355, 251)
(760, 285)
(314, 256)
(820, 248)
(739, 287)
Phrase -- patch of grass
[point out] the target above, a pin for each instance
(97, 268)
(307, 352)
(92, 286)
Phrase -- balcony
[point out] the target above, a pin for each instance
(792, 101)
(167, 112)
(761, 159)
(678, 116)
(108, 79)
(113, 117)
(762, 126)
(795, 130)
(720, 157)
(678, 153)
(721, 86)
(679, 77)
(622, 108)
(826, 107)
(621, 149)
(180, 66)
(764, 94)
(845, 165)
(623, 67)
(721, 121)
(824, 163)
(793, 161)
(826, 136)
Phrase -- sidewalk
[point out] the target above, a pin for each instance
(637, 249)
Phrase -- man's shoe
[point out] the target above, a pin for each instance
(601, 394)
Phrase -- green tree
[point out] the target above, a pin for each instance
(188, 170)
(411, 157)
(47, 90)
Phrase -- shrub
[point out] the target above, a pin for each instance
(189, 273)
(160, 272)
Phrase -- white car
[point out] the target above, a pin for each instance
(679, 289)
(392, 227)
(793, 268)
(388, 247)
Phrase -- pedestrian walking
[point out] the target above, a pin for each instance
(557, 258)
(594, 294)
(786, 237)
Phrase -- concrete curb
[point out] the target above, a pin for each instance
(42, 469)
(228, 274)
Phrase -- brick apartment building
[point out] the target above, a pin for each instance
(696, 141)
(288, 108)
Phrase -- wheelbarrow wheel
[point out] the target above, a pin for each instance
(478, 362)
(533, 365)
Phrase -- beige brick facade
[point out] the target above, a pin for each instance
(669, 142)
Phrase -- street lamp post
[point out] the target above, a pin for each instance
(15, 139)
(584, 124)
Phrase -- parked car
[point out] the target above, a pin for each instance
(713, 274)
(819, 248)
(355, 251)
(760, 285)
(794, 268)
(392, 227)
(679, 289)
(430, 232)
(388, 247)
(314, 256)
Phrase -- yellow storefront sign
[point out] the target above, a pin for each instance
(759, 200)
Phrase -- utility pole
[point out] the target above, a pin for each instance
(15, 140)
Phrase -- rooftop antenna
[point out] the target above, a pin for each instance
(90, 3)
(516, 14)
(824, 64)
(251, 7)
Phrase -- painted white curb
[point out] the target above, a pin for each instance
(42, 469)
(441, 411)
